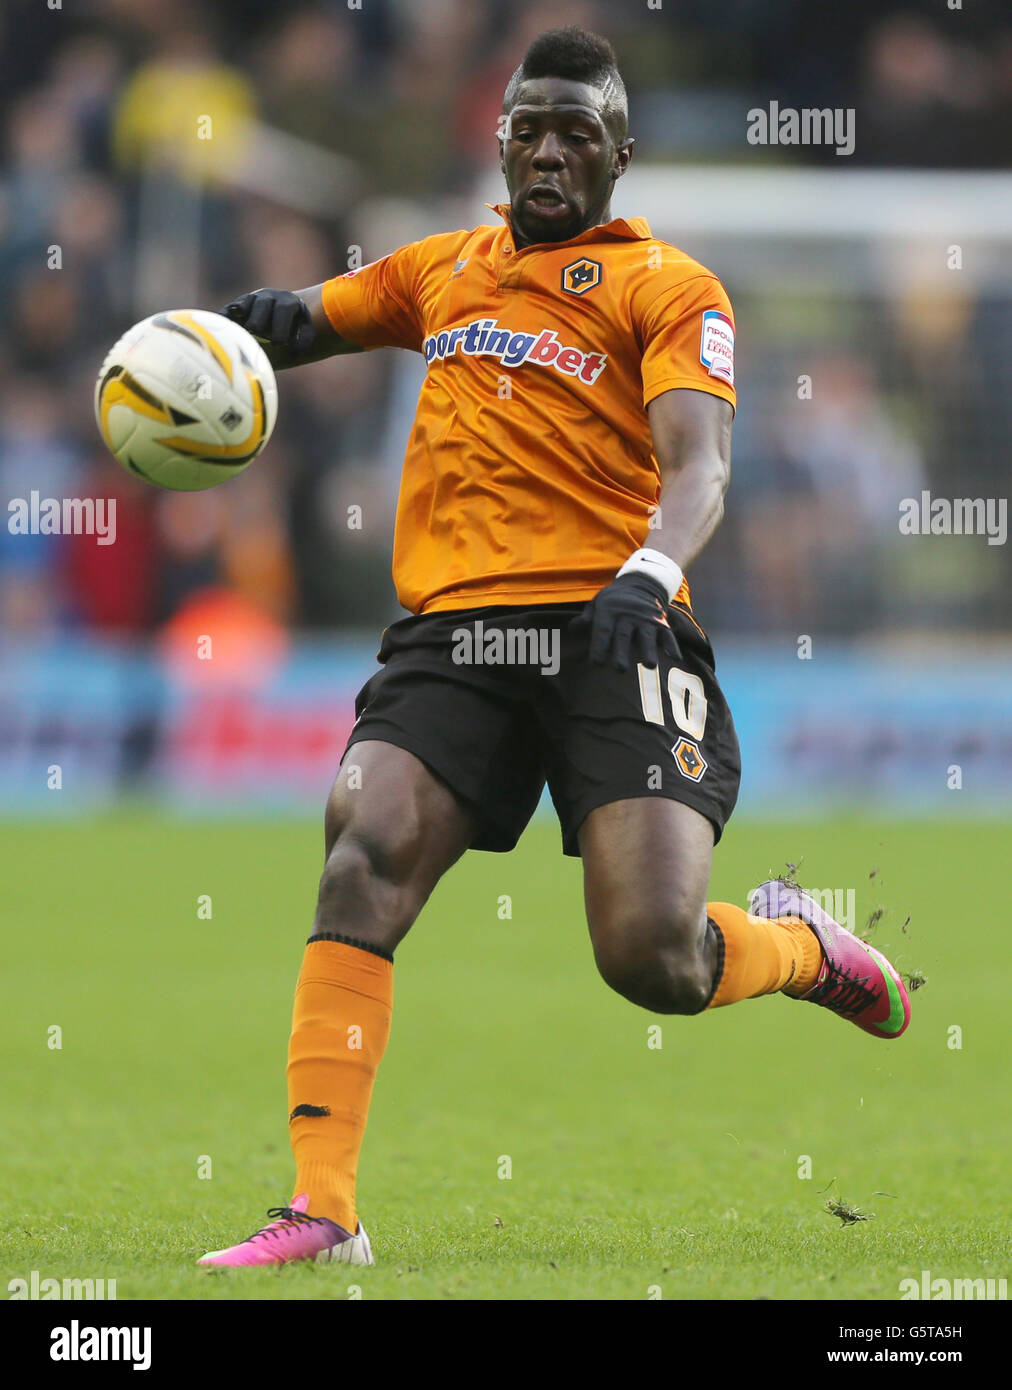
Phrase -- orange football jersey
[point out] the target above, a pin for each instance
(530, 475)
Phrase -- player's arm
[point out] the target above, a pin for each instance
(629, 620)
(292, 327)
(691, 432)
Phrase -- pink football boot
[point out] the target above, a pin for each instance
(856, 981)
(292, 1235)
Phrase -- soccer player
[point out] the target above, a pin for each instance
(568, 461)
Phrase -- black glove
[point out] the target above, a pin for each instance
(278, 317)
(628, 621)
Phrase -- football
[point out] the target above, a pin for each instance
(186, 399)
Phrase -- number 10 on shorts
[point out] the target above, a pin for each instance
(685, 692)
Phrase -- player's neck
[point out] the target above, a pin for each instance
(521, 241)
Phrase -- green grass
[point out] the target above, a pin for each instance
(632, 1168)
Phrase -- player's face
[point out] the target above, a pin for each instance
(560, 159)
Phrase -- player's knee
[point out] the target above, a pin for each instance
(656, 964)
(367, 885)
(661, 983)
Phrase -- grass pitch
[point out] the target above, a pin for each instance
(637, 1171)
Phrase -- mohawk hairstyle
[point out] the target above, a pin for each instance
(581, 56)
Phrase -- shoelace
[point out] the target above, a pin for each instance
(281, 1219)
(848, 993)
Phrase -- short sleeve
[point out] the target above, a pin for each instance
(374, 306)
(688, 340)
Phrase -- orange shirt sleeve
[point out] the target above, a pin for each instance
(374, 306)
(688, 340)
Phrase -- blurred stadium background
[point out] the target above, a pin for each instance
(342, 132)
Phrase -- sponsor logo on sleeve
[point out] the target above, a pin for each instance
(716, 345)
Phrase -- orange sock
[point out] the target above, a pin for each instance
(761, 955)
(340, 1026)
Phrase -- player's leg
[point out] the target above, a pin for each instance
(661, 945)
(646, 866)
(667, 731)
(646, 776)
(442, 756)
(656, 939)
(392, 829)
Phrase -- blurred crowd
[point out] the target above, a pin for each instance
(341, 130)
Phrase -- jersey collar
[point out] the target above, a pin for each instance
(620, 229)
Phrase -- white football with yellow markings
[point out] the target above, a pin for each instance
(186, 399)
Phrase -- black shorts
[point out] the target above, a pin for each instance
(497, 701)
